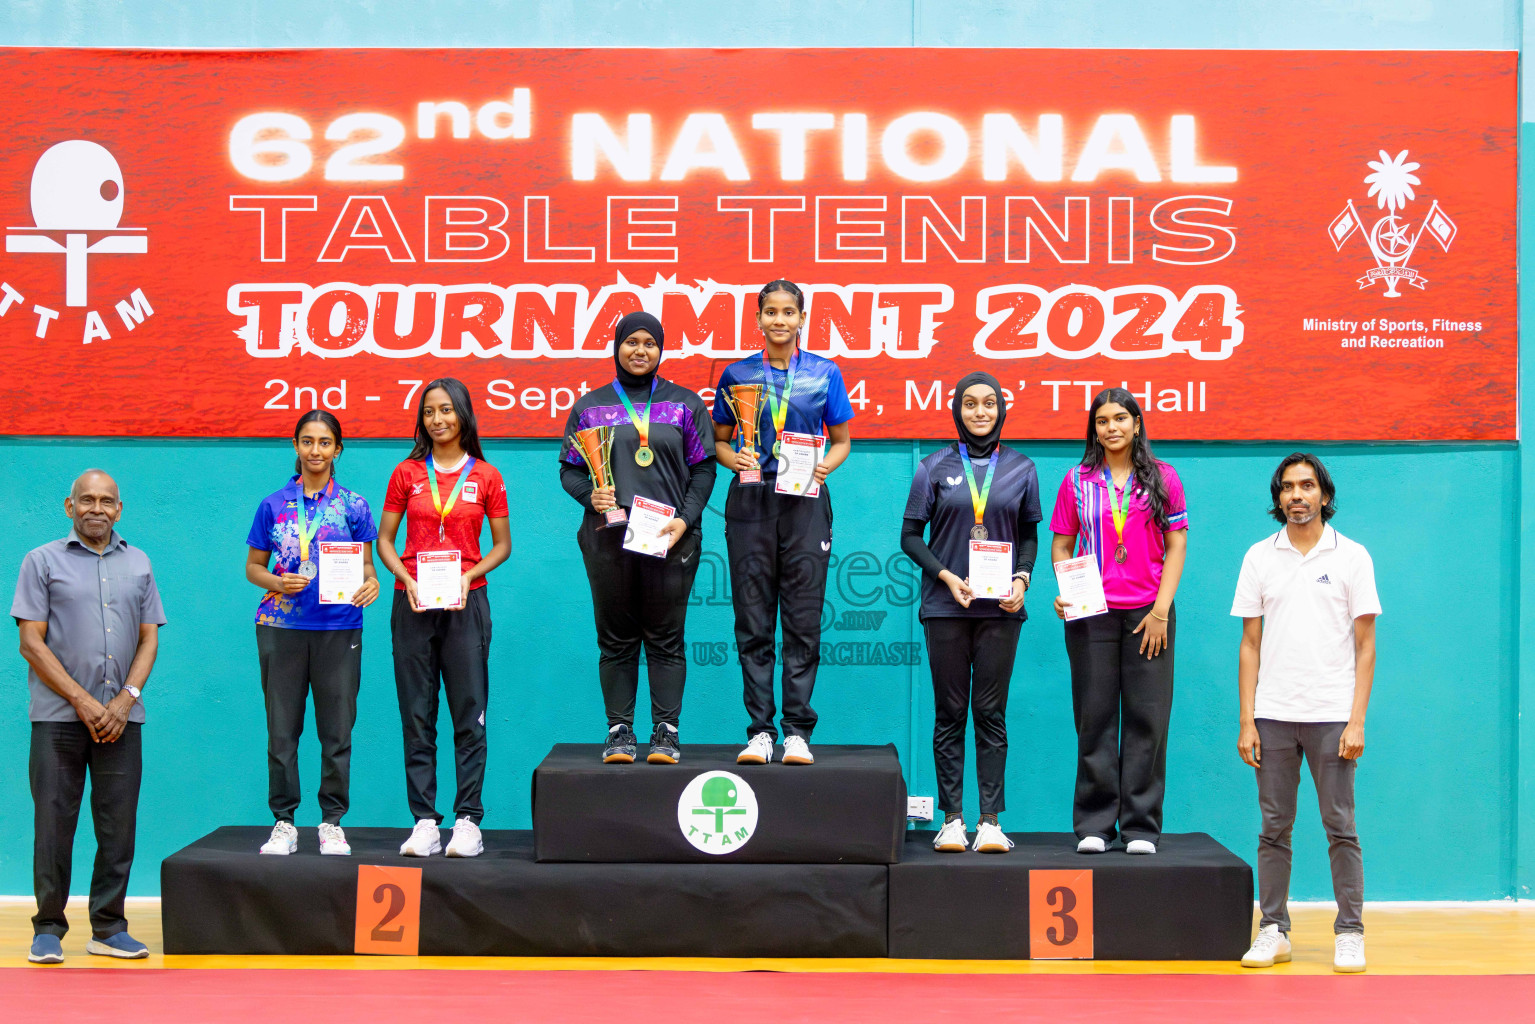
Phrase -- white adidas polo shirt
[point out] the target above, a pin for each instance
(1308, 605)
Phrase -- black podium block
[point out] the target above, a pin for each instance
(219, 896)
(1191, 900)
(847, 808)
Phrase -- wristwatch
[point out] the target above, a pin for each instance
(133, 691)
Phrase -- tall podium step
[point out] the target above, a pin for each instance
(847, 808)
(219, 896)
(1191, 900)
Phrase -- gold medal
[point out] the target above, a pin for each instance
(643, 456)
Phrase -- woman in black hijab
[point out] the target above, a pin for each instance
(976, 489)
(660, 453)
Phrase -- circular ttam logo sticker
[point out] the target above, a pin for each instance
(717, 812)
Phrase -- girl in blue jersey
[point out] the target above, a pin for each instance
(780, 544)
(305, 646)
(974, 489)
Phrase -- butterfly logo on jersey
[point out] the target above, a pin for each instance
(953, 481)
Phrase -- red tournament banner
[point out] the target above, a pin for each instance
(1259, 244)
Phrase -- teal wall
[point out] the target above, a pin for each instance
(1443, 800)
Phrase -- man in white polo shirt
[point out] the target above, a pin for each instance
(1306, 597)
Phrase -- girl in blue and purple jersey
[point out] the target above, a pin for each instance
(305, 645)
(660, 453)
(780, 543)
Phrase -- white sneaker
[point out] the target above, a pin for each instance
(284, 840)
(1092, 844)
(1348, 953)
(1271, 947)
(758, 751)
(951, 838)
(425, 840)
(466, 839)
(333, 841)
(990, 838)
(1140, 847)
(797, 751)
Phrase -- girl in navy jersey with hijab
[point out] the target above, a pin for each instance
(780, 544)
(974, 489)
(660, 452)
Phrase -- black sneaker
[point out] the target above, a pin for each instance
(620, 746)
(665, 747)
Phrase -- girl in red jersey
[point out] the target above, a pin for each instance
(444, 491)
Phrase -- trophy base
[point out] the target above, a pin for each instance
(614, 517)
(749, 476)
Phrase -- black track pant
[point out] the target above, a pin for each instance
(295, 662)
(972, 663)
(639, 601)
(779, 549)
(452, 647)
(1122, 703)
(63, 753)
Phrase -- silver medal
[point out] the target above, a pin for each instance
(308, 570)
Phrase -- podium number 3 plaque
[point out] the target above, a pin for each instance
(1061, 915)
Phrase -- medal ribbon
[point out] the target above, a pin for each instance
(443, 510)
(306, 530)
(978, 496)
(1121, 514)
(641, 423)
(780, 408)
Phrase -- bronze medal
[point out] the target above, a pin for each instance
(977, 532)
(1120, 554)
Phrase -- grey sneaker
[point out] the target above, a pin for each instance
(620, 747)
(665, 745)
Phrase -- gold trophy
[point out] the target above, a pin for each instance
(595, 446)
(745, 401)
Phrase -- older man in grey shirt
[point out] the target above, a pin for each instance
(89, 615)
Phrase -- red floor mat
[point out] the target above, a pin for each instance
(603, 997)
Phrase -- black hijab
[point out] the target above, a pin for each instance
(641, 321)
(980, 446)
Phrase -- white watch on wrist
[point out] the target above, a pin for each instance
(133, 691)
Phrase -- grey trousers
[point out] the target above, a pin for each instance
(1283, 746)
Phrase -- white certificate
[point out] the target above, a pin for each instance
(798, 456)
(340, 571)
(647, 525)
(438, 579)
(991, 569)
(1082, 586)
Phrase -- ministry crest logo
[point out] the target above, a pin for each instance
(1391, 184)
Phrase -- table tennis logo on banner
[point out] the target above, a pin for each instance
(77, 201)
(1392, 240)
(717, 812)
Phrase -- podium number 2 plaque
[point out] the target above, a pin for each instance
(388, 910)
(1061, 915)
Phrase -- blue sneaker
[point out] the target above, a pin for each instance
(122, 945)
(46, 949)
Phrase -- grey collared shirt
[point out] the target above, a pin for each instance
(93, 605)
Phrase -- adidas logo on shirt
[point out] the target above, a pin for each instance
(1323, 579)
